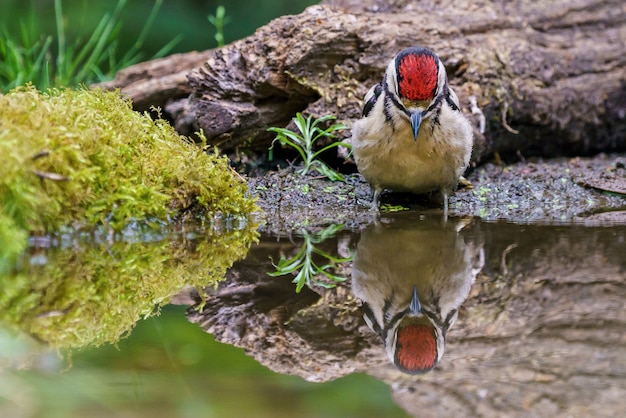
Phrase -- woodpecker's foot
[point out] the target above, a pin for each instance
(465, 183)
(375, 200)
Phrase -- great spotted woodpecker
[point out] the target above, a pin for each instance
(412, 136)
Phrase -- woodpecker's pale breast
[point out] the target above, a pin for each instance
(391, 158)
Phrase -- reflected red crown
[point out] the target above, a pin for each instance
(416, 348)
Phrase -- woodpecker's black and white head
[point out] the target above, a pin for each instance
(413, 340)
(417, 81)
(415, 86)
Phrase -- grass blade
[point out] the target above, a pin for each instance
(58, 14)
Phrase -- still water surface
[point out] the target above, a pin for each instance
(405, 316)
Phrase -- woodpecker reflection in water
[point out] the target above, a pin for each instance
(412, 278)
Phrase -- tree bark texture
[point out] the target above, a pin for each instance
(541, 333)
(537, 78)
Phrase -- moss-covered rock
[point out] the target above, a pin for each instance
(85, 158)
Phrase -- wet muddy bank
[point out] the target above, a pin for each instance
(582, 190)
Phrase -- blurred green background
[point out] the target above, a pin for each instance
(60, 43)
(176, 17)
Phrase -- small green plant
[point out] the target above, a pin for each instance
(304, 141)
(392, 208)
(303, 265)
(30, 57)
(219, 20)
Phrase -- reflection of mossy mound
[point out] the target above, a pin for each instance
(90, 294)
(84, 157)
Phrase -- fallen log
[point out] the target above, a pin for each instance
(542, 78)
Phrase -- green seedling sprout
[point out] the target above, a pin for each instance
(304, 141)
(219, 20)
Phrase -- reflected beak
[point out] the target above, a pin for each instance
(415, 306)
(416, 121)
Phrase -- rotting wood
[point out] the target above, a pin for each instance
(548, 77)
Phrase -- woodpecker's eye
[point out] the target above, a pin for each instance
(417, 72)
(416, 349)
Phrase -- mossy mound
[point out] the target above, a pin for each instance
(89, 291)
(84, 158)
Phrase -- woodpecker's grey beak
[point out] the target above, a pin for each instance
(415, 306)
(416, 121)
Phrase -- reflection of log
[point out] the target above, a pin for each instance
(304, 334)
(541, 334)
(548, 76)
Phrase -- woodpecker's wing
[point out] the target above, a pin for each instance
(451, 98)
(371, 98)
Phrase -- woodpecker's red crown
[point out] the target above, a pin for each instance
(416, 348)
(417, 71)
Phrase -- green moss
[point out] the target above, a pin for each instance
(93, 292)
(84, 158)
